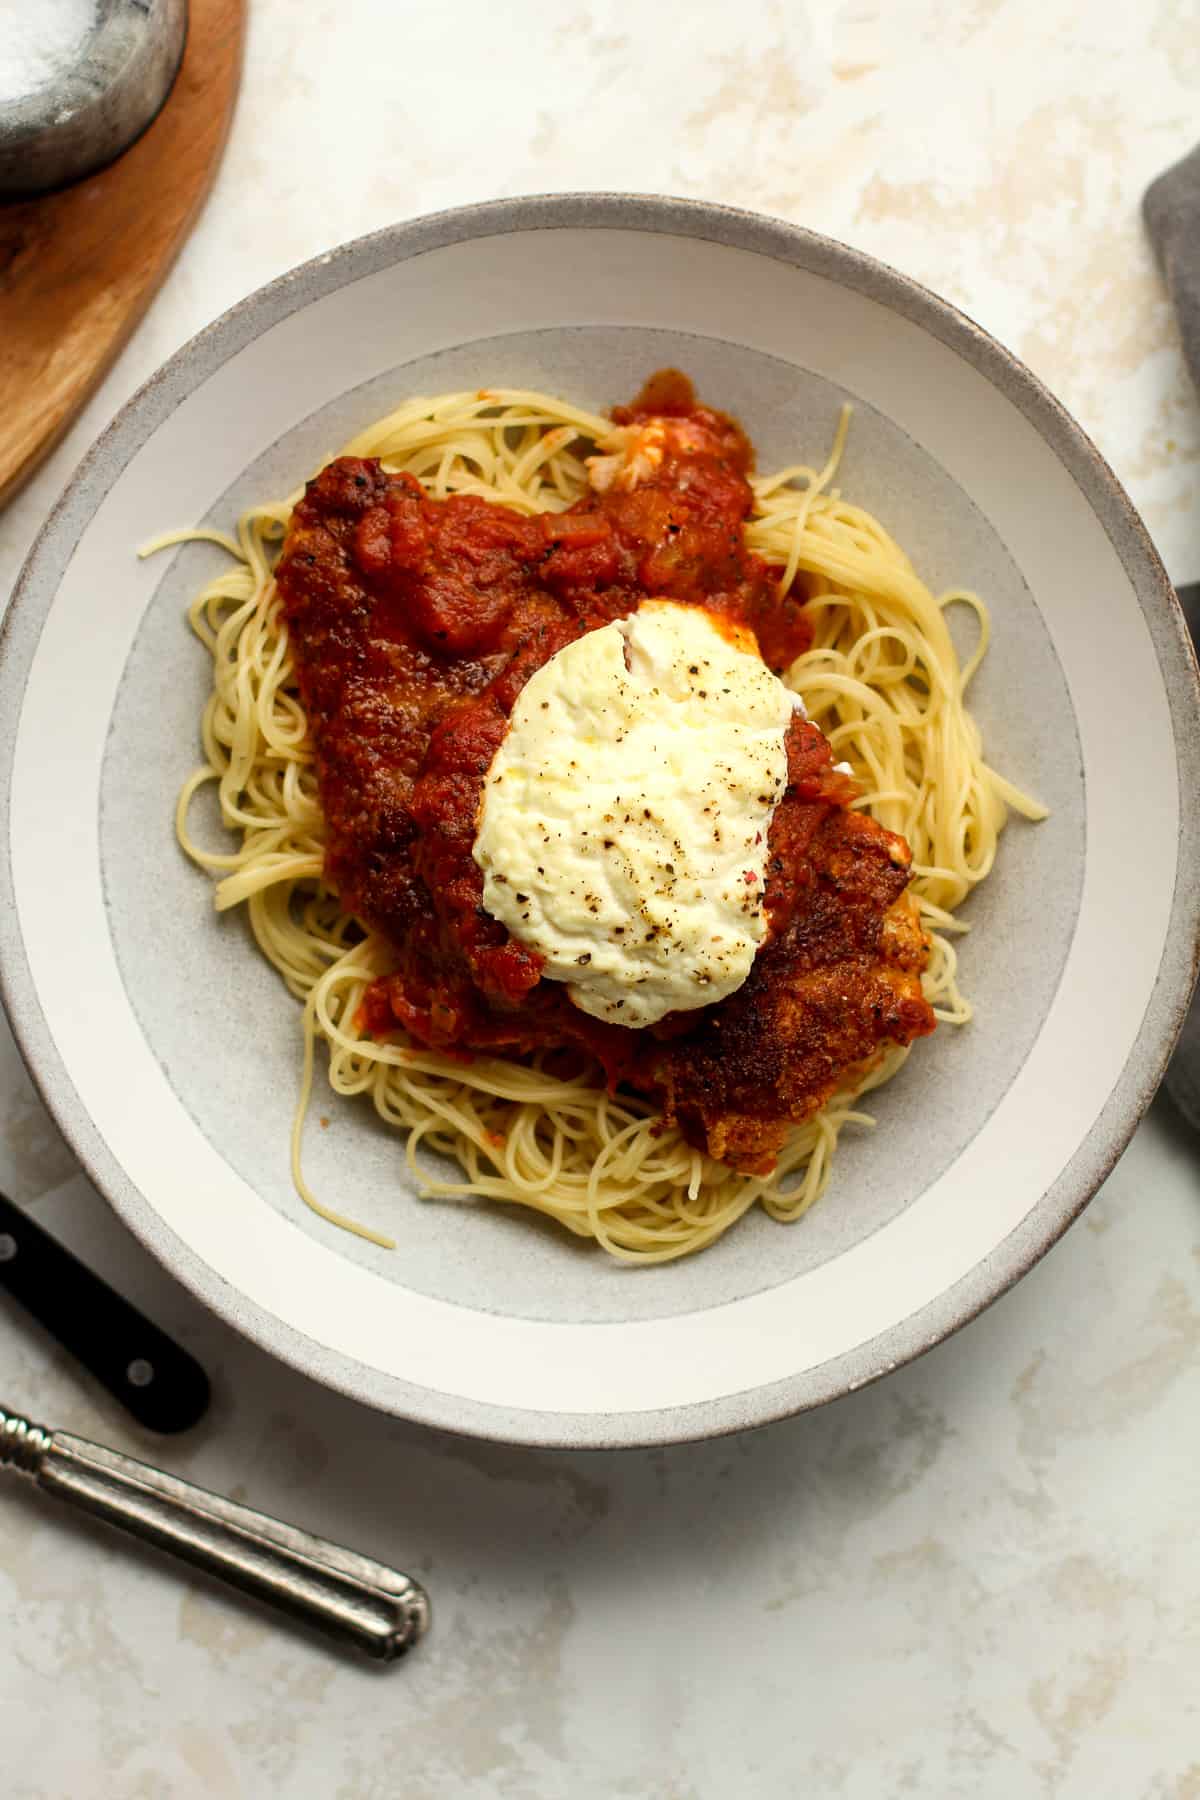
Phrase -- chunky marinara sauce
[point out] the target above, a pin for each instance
(416, 622)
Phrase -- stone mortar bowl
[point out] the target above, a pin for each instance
(87, 115)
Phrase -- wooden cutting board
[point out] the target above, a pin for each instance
(78, 268)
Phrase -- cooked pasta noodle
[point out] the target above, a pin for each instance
(882, 680)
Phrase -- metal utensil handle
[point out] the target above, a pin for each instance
(348, 1596)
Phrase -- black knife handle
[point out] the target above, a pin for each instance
(161, 1385)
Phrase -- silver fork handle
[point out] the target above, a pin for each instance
(348, 1596)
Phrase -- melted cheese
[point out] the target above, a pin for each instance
(623, 827)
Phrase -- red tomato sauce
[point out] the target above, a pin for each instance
(441, 610)
(416, 622)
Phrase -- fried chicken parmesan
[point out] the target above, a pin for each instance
(415, 624)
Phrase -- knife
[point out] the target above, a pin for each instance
(156, 1381)
(350, 1597)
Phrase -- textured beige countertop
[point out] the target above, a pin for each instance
(978, 1578)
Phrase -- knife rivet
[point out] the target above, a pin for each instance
(8, 1247)
(140, 1373)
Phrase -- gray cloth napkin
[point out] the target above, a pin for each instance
(1172, 213)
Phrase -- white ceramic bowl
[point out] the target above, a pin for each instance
(168, 1051)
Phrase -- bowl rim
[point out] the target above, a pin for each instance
(1094, 1159)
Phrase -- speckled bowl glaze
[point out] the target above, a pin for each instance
(168, 1051)
(103, 100)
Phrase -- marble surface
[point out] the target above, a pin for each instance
(978, 1578)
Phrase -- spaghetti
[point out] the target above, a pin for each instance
(882, 680)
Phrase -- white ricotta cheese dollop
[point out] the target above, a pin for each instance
(623, 827)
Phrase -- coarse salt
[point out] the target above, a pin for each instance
(40, 40)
